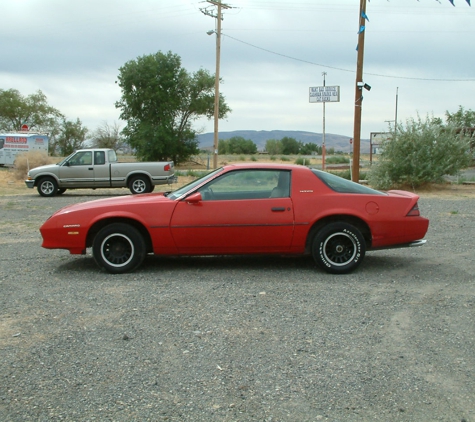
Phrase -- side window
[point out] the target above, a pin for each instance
(99, 157)
(81, 159)
(112, 156)
(248, 184)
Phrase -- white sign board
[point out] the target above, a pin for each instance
(324, 94)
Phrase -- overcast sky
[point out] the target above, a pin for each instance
(272, 53)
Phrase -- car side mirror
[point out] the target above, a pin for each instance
(194, 198)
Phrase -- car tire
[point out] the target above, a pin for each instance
(61, 191)
(47, 186)
(338, 248)
(118, 248)
(139, 184)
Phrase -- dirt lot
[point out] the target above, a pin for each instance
(237, 339)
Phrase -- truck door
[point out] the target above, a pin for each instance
(101, 170)
(78, 171)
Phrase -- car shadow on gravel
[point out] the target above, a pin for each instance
(268, 263)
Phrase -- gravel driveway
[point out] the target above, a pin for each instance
(237, 339)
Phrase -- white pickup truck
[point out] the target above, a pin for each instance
(98, 168)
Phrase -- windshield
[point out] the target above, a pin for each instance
(190, 186)
(65, 159)
(338, 184)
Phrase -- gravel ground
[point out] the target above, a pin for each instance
(237, 339)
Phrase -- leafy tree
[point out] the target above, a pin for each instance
(290, 145)
(106, 136)
(33, 110)
(71, 137)
(309, 148)
(461, 118)
(237, 145)
(274, 146)
(159, 102)
(421, 152)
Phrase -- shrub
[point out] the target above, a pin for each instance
(28, 160)
(421, 153)
(337, 159)
(301, 161)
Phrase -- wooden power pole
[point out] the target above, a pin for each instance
(355, 176)
(219, 17)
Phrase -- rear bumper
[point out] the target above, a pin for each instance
(413, 244)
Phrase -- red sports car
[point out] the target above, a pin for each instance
(243, 209)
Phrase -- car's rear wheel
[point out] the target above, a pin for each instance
(139, 184)
(118, 248)
(47, 186)
(338, 248)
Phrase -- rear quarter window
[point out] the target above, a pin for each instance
(338, 184)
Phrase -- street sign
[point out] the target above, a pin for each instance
(324, 94)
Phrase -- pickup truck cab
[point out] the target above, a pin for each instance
(98, 168)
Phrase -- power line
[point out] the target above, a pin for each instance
(347, 70)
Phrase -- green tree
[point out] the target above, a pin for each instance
(71, 137)
(159, 102)
(107, 136)
(33, 110)
(237, 145)
(309, 148)
(290, 145)
(274, 146)
(461, 118)
(421, 152)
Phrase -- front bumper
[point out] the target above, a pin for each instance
(30, 184)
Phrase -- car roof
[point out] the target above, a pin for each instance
(263, 166)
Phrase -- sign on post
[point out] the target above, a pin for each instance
(324, 94)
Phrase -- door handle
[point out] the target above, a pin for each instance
(278, 209)
(91, 168)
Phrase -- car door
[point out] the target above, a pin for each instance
(78, 171)
(236, 215)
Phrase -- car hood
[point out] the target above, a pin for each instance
(117, 202)
(43, 168)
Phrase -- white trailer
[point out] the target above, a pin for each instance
(12, 144)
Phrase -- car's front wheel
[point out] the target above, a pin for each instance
(118, 248)
(338, 248)
(47, 186)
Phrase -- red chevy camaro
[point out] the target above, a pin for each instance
(243, 209)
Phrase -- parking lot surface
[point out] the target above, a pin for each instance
(236, 338)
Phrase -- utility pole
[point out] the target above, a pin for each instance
(323, 140)
(218, 16)
(358, 94)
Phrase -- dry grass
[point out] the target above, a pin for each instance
(12, 180)
(29, 160)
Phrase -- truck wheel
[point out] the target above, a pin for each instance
(118, 248)
(338, 248)
(47, 187)
(139, 184)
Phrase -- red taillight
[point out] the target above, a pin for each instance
(167, 167)
(414, 212)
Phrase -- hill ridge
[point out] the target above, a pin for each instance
(259, 137)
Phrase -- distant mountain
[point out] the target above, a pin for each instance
(259, 137)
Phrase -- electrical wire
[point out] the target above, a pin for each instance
(347, 70)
